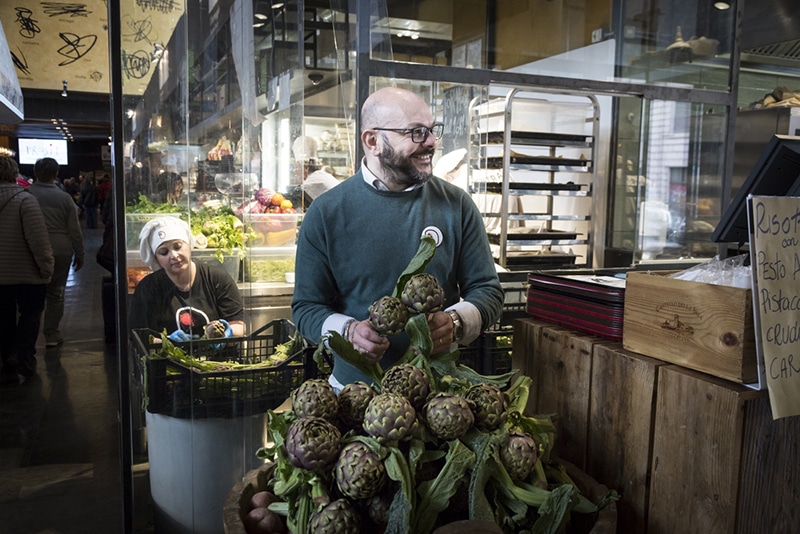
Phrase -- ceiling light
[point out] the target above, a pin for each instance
(261, 16)
(130, 113)
(722, 6)
(258, 25)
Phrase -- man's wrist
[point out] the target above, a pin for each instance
(348, 325)
(458, 325)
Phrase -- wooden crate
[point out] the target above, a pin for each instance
(527, 341)
(701, 326)
(687, 451)
(621, 415)
(720, 463)
(560, 365)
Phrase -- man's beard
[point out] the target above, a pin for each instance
(400, 169)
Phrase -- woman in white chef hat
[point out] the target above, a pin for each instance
(189, 299)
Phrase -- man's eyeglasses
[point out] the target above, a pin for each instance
(420, 133)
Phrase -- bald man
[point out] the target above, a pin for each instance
(357, 238)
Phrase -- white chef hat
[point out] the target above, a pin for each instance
(158, 230)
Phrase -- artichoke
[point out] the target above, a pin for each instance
(353, 400)
(312, 443)
(409, 381)
(388, 316)
(488, 406)
(315, 398)
(338, 517)
(378, 507)
(389, 416)
(423, 294)
(359, 472)
(449, 416)
(519, 455)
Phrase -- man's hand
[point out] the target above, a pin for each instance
(441, 327)
(77, 263)
(367, 341)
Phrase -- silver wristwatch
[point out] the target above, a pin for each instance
(458, 326)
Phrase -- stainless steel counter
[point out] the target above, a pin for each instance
(266, 301)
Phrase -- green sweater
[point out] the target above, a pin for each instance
(355, 241)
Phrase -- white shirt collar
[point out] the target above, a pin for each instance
(375, 182)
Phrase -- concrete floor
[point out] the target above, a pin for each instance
(60, 469)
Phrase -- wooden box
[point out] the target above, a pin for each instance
(560, 365)
(622, 408)
(720, 463)
(701, 326)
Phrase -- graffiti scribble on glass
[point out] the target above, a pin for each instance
(20, 61)
(27, 24)
(140, 30)
(136, 65)
(76, 47)
(164, 6)
(57, 9)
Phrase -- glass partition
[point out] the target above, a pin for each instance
(656, 43)
(229, 105)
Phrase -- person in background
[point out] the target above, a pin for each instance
(103, 187)
(358, 237)
(183, 297)
(105, 256)
(26, 267)
(90, 200)
(317, 181)
(314, 180)
(66, 240)
(70, 187)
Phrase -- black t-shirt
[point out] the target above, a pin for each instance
(157, 304)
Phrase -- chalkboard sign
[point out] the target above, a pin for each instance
(455, 114)
(774, 225)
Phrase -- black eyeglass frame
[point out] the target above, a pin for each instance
(420, 133)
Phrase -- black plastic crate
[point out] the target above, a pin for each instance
(490, 353)
(174, 389)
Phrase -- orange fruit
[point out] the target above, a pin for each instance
(277, 198)
(286, 204)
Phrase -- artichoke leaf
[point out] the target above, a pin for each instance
(554, 512)
(435, 495)
(345, 350)
(402, 507)
(518, 393)
(419, 333)
(421, 259)
(485, 446)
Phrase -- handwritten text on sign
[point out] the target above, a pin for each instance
(776, 265)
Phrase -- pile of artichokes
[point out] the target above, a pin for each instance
(428, 443)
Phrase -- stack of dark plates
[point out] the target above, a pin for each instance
(589, 301)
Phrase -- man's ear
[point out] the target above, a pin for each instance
(369, 140)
